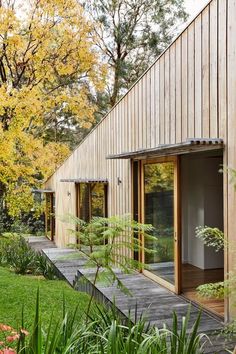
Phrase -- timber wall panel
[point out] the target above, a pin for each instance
(172, 95)
(205, 73)
(231, 146)
(178, 75)
(167, 97)
(213, 69)
(162, 100)
(184, 91)
(198, 76)
(191, 73)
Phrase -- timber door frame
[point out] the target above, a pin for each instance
(176, 288)
(50, 217)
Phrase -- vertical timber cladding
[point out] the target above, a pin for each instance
(231, 146)
(189, 92)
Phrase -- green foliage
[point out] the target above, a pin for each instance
(212, 237)
(102, 241)
(106, 333)
(165, 249)
(213, 290)
(16, 253)
(130, 35)
(19, 256)
(215, 238)
(21, 289)
(117, 337)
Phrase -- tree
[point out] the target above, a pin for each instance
(130, 34)
(48, 70)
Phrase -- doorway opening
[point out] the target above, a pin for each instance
(201, 205)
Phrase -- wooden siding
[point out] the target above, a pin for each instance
(189, 92)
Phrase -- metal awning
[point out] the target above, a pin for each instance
(190, 145)
(42, 191)
(85, 180)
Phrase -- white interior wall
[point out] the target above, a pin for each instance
(202, 204)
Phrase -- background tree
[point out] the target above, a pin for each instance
(130, 34)
(48, 70)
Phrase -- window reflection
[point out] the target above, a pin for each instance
(92, 200)
(159, 211)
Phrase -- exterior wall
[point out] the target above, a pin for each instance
(189, 92)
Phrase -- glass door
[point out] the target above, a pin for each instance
(160, 208)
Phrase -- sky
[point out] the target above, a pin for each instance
(194, 6)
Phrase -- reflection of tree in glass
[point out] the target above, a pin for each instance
(159, 201)
(92, 200)
(97, 200)
(159, 177)
(84, 202)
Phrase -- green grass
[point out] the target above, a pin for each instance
(17, 290)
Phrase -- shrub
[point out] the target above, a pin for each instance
(106, 333)
(16, 253)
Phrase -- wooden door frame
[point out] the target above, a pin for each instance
(176, 288)
(49, 216)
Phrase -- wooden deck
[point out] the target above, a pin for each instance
(147, 297)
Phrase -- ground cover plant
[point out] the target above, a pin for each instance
(16, 253)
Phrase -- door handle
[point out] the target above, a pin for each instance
(175, 236)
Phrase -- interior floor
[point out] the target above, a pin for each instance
(192, 277)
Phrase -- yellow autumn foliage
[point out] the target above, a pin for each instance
(48, 66)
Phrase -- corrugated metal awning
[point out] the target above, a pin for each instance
(85, 180)
(190, 145)
(42, 191)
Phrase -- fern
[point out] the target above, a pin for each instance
(212, 237)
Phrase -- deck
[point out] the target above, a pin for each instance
(147, 297)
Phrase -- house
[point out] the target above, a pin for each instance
(157, 155)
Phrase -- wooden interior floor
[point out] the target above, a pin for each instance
(192, 277)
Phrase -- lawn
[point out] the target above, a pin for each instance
(17, 290)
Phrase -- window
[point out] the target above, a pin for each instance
(92, 200)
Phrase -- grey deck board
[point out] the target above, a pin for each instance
(147, 298)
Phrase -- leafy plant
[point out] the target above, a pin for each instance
(212, 290)
(212, 237)
(44, 267)
(115, 336)
(16, 253)
(60, 337)
(106, 333)
(101, 242)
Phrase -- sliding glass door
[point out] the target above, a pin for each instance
(160, 208)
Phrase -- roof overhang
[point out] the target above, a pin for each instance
(189, 146)
(84, 180)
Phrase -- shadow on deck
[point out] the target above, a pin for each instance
(147, 298)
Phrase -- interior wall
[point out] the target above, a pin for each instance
(202, 205)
